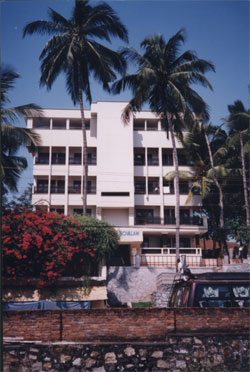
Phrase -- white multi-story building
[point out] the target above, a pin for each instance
(126, 185)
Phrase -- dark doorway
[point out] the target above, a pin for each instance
(121, 257)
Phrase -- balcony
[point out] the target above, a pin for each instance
(58, 159)
(75, 160)
(42, 159)
(57, 190)
(140, 187)
(91, 190)
(74, 190)
(161, 256)
(148, 220)
(196, 220)
(41, 189)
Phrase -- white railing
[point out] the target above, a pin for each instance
(167, 256)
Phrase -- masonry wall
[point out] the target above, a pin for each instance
(216, 353)
(123, 325)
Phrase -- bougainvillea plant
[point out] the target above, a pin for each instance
(43, 245)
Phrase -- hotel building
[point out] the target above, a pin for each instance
(126, 185)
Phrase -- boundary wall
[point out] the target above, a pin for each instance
(122, 324)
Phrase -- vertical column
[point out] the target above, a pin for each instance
(99, 213)
(67, 124)
(66, 206)
(161, 185)
(146, 163)
(50, 173)
(131, 216)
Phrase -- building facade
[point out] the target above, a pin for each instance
(126, 184)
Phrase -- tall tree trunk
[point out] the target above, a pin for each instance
(177, 191)
(84, 155)
(218, 187)
(244, 178)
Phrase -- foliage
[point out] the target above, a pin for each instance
(104, 236)
(73, 50)
(14, 137)
(41, 244)
(164, 80)
(24, 201)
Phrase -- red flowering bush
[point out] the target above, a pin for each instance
(43, 245)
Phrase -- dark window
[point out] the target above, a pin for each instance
(153, 159)
(57, 187)
(139, 159)
(167, 157)
(76, 158)
(115, 193)
(42, 186)
(42, 158)
(58, 158)
(140, 187)
(184, 187)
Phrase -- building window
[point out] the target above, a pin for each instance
(146, 216)
(153, 158)
(42, 187)
(59, 123)
(152, 124)
(79, 211)
(140, 186)
(139, 124)
(153, 186)
(57, 186)
(58, 158)
(183, 187)
(168, 187)
(41, 123)
(42, 158)
(167, 157)
(75, 158)
(139, 157)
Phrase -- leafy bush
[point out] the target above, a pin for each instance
(43, 244)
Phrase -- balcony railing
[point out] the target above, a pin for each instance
(184, 220)
(91, 190)
(78, 161)
(191, 221)
(74, 190)
(158, 256)
(42, 160)
(91, 161)
(148, 220)
(140, 188)
(139, 161)
(58, 161)
(57, 190)
(75, 161)
(41, 190)
(153, 161)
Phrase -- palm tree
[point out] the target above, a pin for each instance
(203, 146)
(73, 50)
(13, 137)
(164, 79)
(238, 122)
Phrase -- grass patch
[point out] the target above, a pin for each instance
(141, 304)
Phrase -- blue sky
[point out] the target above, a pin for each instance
(216, 30)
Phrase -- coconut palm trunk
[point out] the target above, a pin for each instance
(84, 156)
(221, 219)
(244, 178)
(177, 190)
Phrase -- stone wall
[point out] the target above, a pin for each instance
(123, 325)
(126, 284)
(213, 353)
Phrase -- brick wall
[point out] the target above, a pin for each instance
(121, 324)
